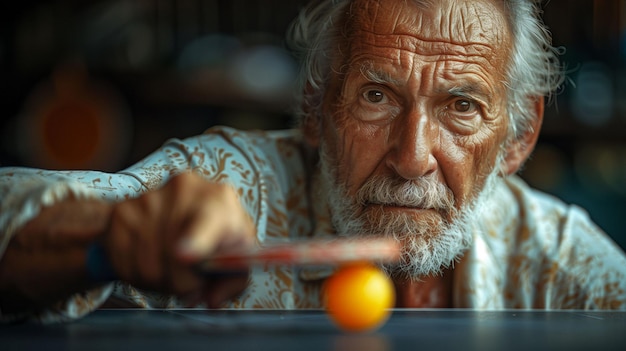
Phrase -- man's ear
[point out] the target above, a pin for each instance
(311, 129)
(520, 149)
(311, 123)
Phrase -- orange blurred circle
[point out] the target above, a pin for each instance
(72, 121)
(71, 132)
(359, 297)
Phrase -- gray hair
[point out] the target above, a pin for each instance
(534, 71)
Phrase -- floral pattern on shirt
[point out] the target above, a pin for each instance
(530, 250)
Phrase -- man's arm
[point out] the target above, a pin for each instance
(134, 199)
(152, 242)
(46, 260)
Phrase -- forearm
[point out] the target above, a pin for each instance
(45, 260)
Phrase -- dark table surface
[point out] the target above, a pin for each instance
(311, 330)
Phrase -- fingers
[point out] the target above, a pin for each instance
(221, 223)
(155, 240)
(225, 289)
(219, 290)
(218, 224)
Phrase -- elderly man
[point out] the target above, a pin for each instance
(415, 116)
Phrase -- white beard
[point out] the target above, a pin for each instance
(430, 243)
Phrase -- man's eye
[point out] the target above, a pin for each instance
(374, 96)
(462, 105)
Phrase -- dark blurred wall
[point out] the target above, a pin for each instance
(131, 74)
(581, 154)
(100, 84)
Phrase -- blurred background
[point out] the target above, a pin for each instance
(101, 84)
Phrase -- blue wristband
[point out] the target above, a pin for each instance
(99, 267)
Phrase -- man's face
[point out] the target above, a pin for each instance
(415, 114)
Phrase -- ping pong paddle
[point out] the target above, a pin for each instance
(307, 253)
(302, 253)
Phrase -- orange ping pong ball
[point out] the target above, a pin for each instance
(358, 297)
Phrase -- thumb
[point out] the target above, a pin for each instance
(222, 225)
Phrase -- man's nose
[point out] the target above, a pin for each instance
(412, 140)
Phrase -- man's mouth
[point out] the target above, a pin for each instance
(401, 207)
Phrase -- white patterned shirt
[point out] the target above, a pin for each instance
(531, 251)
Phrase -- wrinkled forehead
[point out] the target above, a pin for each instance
(459, 26)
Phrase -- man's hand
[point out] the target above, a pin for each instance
(152, 242)
(155, 241)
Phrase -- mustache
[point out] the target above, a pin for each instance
(424, 192)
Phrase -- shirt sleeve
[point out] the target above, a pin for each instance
(24, 191)
(533, 251)
(590, 269)
(562, 260)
